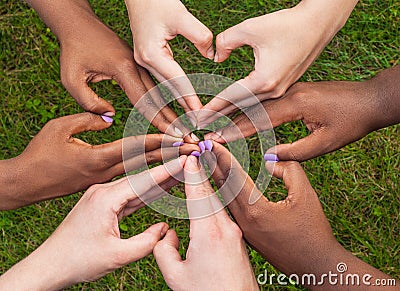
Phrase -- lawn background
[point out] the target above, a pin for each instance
(357, 185)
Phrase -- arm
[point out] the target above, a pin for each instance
(336, 113)
(216, 258)
(294, 234)
(56, 164)
(87, 245)
(285, 44)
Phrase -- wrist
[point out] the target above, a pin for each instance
(330, 15)
(384, 90)
(10, 176)
(63, 17)
(41, 270)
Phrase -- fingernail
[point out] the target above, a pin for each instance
(216, 57)
(164, 229)
(202, 147)
(109, 114)
(271, 158)
(210, 53)
(178, 144)
(107, 119)
(209, 145)
(178, 131)
(195, 154)
(194, 137)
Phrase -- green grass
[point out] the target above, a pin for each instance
(358, 185)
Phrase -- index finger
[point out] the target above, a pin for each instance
(202, 201)
(236, 187)
(234, 97)
(175, 79)
(139, 185)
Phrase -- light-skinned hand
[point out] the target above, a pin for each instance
(216, 258)
(88, 245)
(55, 163)
(153, 24)
(285, 44)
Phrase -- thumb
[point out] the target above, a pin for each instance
(141, 245)
(78, 123)
(87, 98)
(229, 40)
(197, 33)
(293, 176)
(166, 253)
(317, 143)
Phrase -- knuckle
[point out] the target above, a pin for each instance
(144, 57)
(295, 156)
(205, 37)
(269, 85)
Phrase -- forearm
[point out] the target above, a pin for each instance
(63, 17)
(329, 14)
(10, 181)
(41, 270)
(385, 90)
(341, 270)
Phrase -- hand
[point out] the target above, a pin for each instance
(294, 234)
(153, 24)
(336, 113)
(91, 52)
(55, 163)
(285, 44)
(87, 245)
(216, 258)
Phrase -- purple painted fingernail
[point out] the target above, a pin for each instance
(271, 158)
(178, 144)
(202, 146)
(107, 119)
(209, 145)
(195, 154)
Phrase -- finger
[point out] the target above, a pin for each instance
(234, 97)
(160, 102)
(133, 146)
(197, 33)
(154, 194)
(138, 185)
(236, 187)
(86, 97)
(201, 198)
(82, 122)
(316, 144)
(176, 79)
(293, 176)
(166, 254)
(141, 245)
(270, 114)
(229, 40)
(158, 155)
